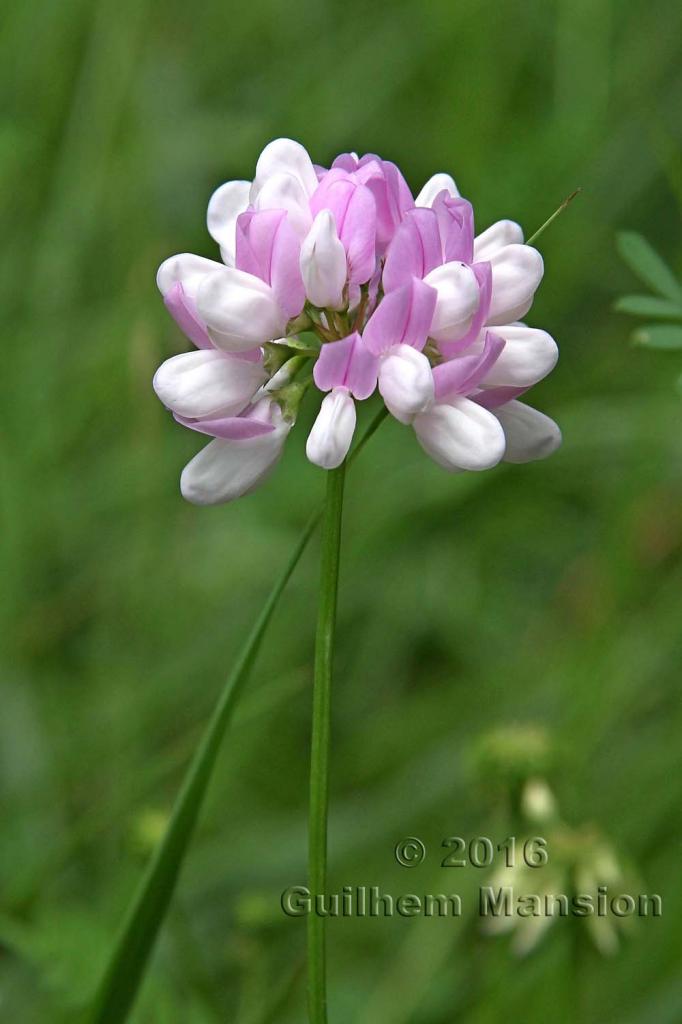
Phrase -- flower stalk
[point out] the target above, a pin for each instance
(319, 755)
(130, 956)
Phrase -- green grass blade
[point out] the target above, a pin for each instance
(649, 305)
(128, 962)
(135, 943)
(663, 336)
(550, 220)
(645, 262)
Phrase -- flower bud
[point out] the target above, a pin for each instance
(323, 263)
(332, 432)
(405, 382)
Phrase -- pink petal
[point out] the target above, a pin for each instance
(456, 225)
(333, 193)
(369, 158)
(183, 311)
(255, 236)
(403, 317)
(285, 270)
(369, 170)
(346, 162)
(392, 195)
(268, 248)
(493, 398)
(347, 363)
(233, 428)
(414, 251)
(460, 376)
(400, 196)
(354, 212)
(358, 235)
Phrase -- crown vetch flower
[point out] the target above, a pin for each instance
(339, 281)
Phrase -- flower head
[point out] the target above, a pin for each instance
(338, 281)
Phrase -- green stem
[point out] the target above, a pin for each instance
(319, 753)
(127, 964)
(550, 220)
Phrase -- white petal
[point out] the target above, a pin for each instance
(225, 470)
(323, 263)
(288, 157)
(517, 272)
(240, 310)
(460, 435)
(528, 356)
(433, 186)
(284, 192)
(530, 434)
(207, 383)
(405, 382)
(332, 431)
(188, 269)
(224, 206)
(458, 297)
(503, 232)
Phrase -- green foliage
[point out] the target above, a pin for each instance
(663, 336)
(547, 595)
(645, 262)
(648, 305)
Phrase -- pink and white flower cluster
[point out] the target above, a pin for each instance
(338, 279)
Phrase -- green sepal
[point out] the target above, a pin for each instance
(275, 356)
(289, 398)
(307, 342)
(299, 323)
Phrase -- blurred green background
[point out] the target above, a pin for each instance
(546, 596)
